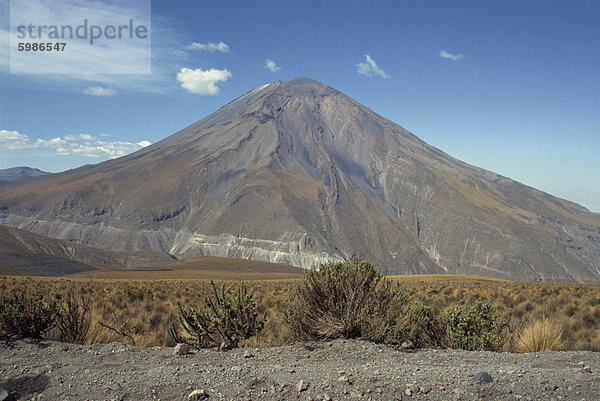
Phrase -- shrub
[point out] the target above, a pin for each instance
(383, 311)
(226, 318)
(345, 299)
(473, 327)
(28, 316)
(138, 295)
(73, 319)
(540, 335)
(421, 325)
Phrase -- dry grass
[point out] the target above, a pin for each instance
(145, 308)
(540, 335)
(575, 306)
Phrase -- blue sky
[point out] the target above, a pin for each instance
(510, 86)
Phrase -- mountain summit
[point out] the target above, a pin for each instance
(297, 172)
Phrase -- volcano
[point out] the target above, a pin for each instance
(296, 172)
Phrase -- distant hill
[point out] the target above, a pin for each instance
(10, 175)
(296, 172)
(25, 253)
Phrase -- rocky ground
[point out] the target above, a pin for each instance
(335, 370)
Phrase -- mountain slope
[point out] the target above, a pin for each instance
(296, 172)
(25, 253)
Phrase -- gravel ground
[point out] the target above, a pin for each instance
(334, 370)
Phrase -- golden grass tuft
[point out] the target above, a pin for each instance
(540, 335)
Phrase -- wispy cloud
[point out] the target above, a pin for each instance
(164, 41)
(101, 51)
(99, 91)
(270, 64)
(445, 54)
(179, 53)
(210, 46)
(82, 144)
(370, 68)
(202, 82)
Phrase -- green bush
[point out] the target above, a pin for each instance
(421, 325)
(345, 299)
(28, 316)
(473, 327)
(227, 317)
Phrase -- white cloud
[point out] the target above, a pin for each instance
(99, 91)
(82, 144)
(370, 68)
(82, 56)
(163, 66)
(13, 140)
(445, 54)
(270, 64)
(202, 82)
(210, 46)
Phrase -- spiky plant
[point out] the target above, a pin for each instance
(226, 317)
